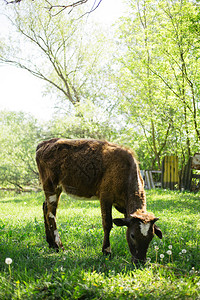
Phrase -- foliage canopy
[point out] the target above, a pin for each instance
(137, 85)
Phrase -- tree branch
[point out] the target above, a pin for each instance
(74, 4)
(62, 7)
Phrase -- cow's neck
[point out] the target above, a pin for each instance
(137, 196)
(137, 201)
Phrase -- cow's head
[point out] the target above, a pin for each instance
(140, 231)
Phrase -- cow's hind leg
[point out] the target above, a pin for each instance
(106, 212)
(49, 210)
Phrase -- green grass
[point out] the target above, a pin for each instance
(81, 271)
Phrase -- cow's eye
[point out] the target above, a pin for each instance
(132, 236)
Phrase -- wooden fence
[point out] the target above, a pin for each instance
(187, 174)
(170, 177)
(150, 182)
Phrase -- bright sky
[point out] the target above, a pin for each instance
(21, 91)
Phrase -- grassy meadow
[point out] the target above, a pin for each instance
(81, 271)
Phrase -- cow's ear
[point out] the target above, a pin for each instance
(157, 231)
(122, 221)
(154, 220)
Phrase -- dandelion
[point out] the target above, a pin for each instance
(170, 247)
(161, 257)
(192, 271)
(156, 249)
(169, 252)
(8, 261)
(182, 253)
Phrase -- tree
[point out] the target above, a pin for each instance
(181, 54)
(157, 76)
(20, 133)
(89, 121)
(54, 49)
(142, 99)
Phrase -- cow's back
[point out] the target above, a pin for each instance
(77, 165)
(85, 167)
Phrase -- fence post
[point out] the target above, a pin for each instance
(187, 175)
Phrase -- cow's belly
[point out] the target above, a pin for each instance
(78, 192)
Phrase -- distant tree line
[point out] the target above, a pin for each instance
(20, 133)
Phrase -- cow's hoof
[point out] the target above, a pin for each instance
(107, 251)
(54, 246)
(62, 248)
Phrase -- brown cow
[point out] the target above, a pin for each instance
(89, 168)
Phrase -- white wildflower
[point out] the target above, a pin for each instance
(170, 247)
(162, 256)
(169, 252)
(8, 261)
(184, 251)
(148, 259)
(192, 271)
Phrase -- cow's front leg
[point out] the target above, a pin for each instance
(49, 236)
(49, 209)
(106, 213)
